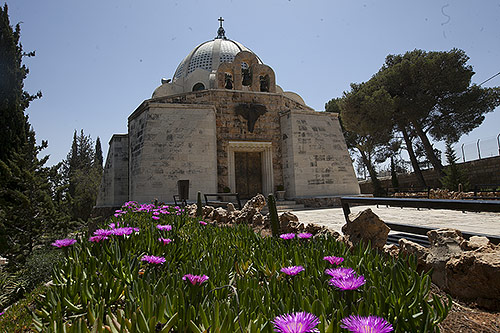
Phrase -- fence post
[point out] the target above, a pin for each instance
(478, 150)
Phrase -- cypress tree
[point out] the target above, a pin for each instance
(453, 174)
(98, 154)
(26, 208)
(13, 99)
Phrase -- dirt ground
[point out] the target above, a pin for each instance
(465, 317)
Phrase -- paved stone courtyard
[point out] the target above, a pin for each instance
(484, 223)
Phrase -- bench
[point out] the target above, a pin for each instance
(220, 199)
(490, 188)
(415, 233)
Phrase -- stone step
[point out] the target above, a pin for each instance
(281, 206)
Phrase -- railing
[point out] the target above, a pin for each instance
(482, 148)
(462, 205)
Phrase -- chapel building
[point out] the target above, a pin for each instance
(223, 123)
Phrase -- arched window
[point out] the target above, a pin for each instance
(246, 74)
(264, 83)
(228, 81)
(199, 86)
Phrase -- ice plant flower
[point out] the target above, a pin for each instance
(298, 322)
(64, 242)
(164, 240)
(292, 270)
(340, 273)
(334, 260)
(351, 282)
(287, 236)
(154, 217)
(372, 324)
(122, 231)
(97, 239)
(103, 232)
(195, 279)
(203, 222)
(153, 259)
(166, 227)
(304, 235)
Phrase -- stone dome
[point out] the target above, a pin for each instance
(209, 56)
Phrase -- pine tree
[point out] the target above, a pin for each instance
(453, 174)
(82, 174)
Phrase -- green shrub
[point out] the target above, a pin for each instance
(107, 283)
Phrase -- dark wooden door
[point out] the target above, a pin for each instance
(248, 173)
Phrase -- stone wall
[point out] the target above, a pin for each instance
(171, 142)
(315, 156)
(235, 127)
(483, 171)
(113, 190)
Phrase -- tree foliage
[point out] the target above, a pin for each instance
(417, 96)
(13, 99)
(82, 171)
(26, 208)
(433, 96)
(454, 176)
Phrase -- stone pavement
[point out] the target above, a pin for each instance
(483, 223)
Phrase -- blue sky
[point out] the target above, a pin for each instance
(96, 60)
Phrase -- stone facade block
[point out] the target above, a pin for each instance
(113, 190)
(315, 157)
(171, 142)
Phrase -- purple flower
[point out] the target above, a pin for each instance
(123, 231)
(164, 240)
(340, 273)
(64, 242)
(154, 217)
(103, 232)
(351, 282)
(195, 279)
(334, 260)
(203, 222)
(97, 239)
(287, 236)
(153, 259)
(292, 270)
(2, 313)
(304, 235)
(298, 322)
(166, 227)
(358, 324)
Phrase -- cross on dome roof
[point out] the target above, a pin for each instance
(221, 34)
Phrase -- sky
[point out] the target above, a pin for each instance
(96, 61)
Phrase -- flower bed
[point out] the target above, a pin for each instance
(228, 279)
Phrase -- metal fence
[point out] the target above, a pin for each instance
(482, 148)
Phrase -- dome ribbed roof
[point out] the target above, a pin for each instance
(209, 56)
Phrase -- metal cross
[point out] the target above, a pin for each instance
(221, 20)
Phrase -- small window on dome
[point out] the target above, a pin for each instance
(199, 86)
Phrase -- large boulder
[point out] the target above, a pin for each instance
(290, 223)
(252, 207)
(467, 269)
(445, 244)
(407, 248)
(366, 226)
(475, 275)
